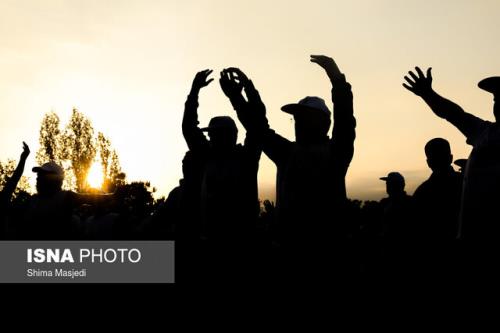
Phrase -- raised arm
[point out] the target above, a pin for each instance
(421, 85)
(252, 113)
(193, 135)
(11, 184)
(343, 133)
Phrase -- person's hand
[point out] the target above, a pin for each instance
(251, 111)
(328, 64)
(419, 84)
(232, 81)
(201, 79)
(26, 151)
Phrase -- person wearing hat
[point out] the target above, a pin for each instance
(481, 188)
(49, 213)
(396, 206)
(228, 194)
(310, 186)
(9, 189)
(398, 225)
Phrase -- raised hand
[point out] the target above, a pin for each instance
(232, 82)
(418, 83)
(328, 64)
(251, 111)
(201, 79)
(26, 151)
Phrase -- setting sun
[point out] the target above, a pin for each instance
(95, 177)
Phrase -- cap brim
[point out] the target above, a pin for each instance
(42, 170)
(384, 178)
(211, 129)
(295, 108)
(292, 108)
(490, 84)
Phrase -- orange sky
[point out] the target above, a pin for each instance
(128, 65)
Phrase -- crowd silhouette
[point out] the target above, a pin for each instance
(314, 232)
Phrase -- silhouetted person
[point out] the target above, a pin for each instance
(311, 192)
(479, 210)
(397, 208)
(437, 200)
(49, 214)
(437, 208)
(229, 204)
(179, 216)
(9, 189)
(398, 226)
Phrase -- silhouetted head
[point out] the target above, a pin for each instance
(492, 85)
(222, 132)
(438, 154)
(312, 119)
(50, 177)
(395, 184)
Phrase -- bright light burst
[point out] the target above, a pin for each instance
(95, 178)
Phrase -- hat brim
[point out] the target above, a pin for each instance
(42, 170)
(384, 178)
(211, 129)
(490, 84)
(460, 163)
(296, 108)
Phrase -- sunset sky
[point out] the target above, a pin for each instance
(128, 65)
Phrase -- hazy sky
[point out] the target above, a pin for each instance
(128, 65)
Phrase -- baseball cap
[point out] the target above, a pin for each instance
(309, 103)
(393, 177)
(50, 168)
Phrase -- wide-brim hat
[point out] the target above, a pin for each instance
(220, 123)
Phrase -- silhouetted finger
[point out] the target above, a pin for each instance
(413, 76)
(429, 73)
(408, 87)
(239, 73)
(409, 81)
(420, 73)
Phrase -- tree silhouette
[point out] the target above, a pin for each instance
(111, 169)
(116, 176)
(50, 139)
(79, 147)
(76, 148)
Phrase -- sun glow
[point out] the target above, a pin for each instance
(95, 177)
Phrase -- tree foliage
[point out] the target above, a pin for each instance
(76, 148)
